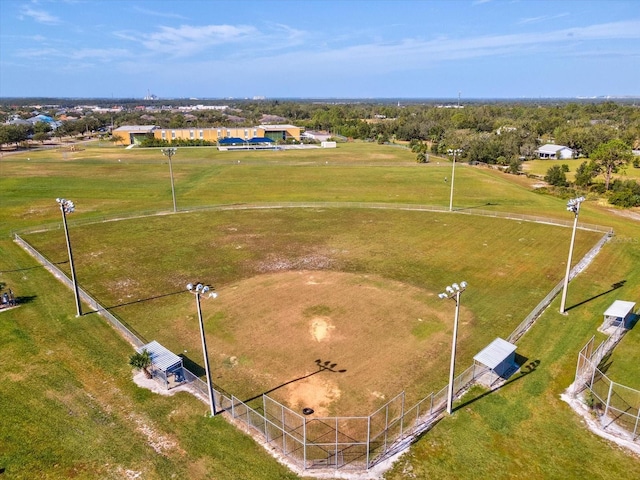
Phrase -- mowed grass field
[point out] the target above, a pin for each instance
(67, 389)
(369, 278)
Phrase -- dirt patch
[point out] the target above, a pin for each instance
(632, 214)
(313, 392)
(321, 328)
(328, 340)
(611, 434)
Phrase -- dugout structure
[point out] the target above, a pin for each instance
(618, 315)
(499, 358)
(166, 367)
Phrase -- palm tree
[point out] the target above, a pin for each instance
(141, 361)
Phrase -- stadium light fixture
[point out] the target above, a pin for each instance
(67, 206)
(198, 290)
(454, 153)
(170, 152)
(573, 205)
(453, 292)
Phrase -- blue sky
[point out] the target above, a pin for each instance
(320, 49)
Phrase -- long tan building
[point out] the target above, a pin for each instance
(134, 134)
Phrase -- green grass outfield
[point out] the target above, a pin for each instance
(67, 390)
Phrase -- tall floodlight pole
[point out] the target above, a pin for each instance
(453, 292)
(170, 152)
(67, 206)
(454, 153)
(573, 205)
(199, 290)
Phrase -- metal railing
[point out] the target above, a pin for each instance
(614, 404)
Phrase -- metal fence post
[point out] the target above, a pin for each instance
(368, 439)
(606, 410)
(304, 443)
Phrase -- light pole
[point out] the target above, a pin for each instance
(573, 205)
(454, 152)
(453, 292)
(67, 206)
(170, 152)
(199, 290)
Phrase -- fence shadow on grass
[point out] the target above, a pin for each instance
(524, 371)
(326, 366)
(614, 286)
(192, 366)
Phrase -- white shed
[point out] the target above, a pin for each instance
(555, 152)
(499, 357)
(619, 314)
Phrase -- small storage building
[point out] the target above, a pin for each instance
(499, 357)
(555, 152)
(619, 314)
(166, 366)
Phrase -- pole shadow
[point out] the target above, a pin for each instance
(142, 300)
(614, 286)
(524, 371)
(326, 366)
(488, 204)
(33, 267)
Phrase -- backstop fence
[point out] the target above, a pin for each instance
(614, 404)
(316, 443)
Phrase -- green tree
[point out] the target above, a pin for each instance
(556, 176)
(515, 166)
(40, 137)
(610, 157)
(42, 127)
(116, 138)
(585, 173)
(141, 361)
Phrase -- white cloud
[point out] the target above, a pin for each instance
(542, 18)
(79, 54)
(156, 13)
(40, 16)
(188, 40)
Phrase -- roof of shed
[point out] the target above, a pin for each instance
(136, 128)
(162, 358)
(495, 353)
(551, 148)
(620, 309)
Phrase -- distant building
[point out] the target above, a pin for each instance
(319, 136)
(133, 134)
(554, 152)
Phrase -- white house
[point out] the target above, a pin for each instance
(555, 152)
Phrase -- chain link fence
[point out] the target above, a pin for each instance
(616, 406)
(353, 443)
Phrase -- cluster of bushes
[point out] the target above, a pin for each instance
(622, 193)
(150, 141)
(625, 193)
